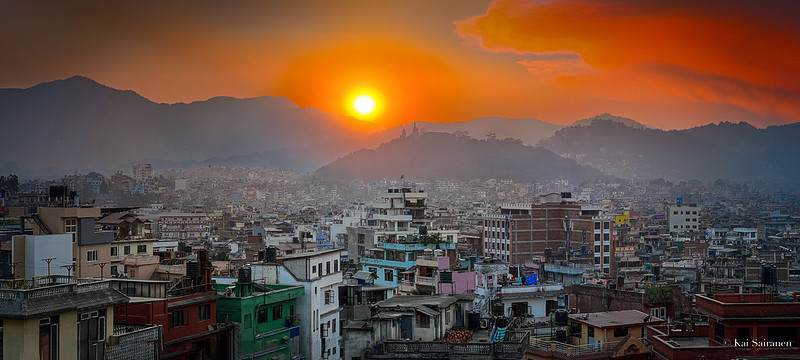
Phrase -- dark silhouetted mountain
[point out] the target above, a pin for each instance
(608, 117)
(734, 151)
(440, 155)
(78, 123)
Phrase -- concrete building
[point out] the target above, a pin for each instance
(142, 172)
(183, 226)
(91, 251)
(42, 255)
(320, 274)
(266, 314)
(60, 320)
(683, 218)
(590, 328)
(557, 223)
(739, 326)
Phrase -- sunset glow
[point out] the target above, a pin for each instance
(364, 105)
(670, 64)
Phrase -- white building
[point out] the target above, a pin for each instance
(184, 226)
(320, 274)
(32, 250)
(683, 218)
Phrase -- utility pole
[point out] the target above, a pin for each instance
(101, 265)
(69, 268)
(48, 260)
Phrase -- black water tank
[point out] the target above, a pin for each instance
(769, 275)
(245, 275)
(498, 309)
(561, 317)
(561, 335)
(271, 254)
(193, 269)
(474, 320)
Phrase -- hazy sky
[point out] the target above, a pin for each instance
(670, 64)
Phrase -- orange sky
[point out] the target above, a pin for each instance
(670, 64)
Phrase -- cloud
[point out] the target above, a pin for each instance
(741, 53)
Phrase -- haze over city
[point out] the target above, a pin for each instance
(387, 180)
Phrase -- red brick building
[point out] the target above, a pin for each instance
(739, 325)
(186, 311)
(517, 232)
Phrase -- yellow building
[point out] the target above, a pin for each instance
(623, 219)
(609, 326)
(60, 321)
(91, 250)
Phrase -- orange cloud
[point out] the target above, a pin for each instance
(739, 53)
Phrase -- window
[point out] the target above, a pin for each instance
(91, 255)
(141, 249)
(333, 324)
(114, 270)
(620, 331)
(261, 316)
(423, 320)
(605, 248)
(127, 250)
(205, 312)
(597, 248)
(606, 237)
(314, 269)
(597, 225)
(71, 225)
(291, 310)
(48, 338)
(277, 312)
(327, 267)
(114, 251)
(719, 333)
(388, 275)
(328, 297)
(597, 260)
(590, 331)
(335, 265)
(606, 260)
(177, 318)
(606, 225)
(597, 237)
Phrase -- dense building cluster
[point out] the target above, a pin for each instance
(245, 263)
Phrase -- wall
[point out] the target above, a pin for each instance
(38, 247)
(590, 298)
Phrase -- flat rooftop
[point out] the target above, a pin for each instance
(614, 319)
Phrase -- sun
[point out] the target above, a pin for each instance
(364, 104)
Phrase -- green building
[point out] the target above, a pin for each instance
(267, 317)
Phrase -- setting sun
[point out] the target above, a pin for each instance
(364, 104)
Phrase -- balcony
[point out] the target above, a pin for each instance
(425, 280)
(512, 348)
(388, 263)
(415, 246)
(428, 261)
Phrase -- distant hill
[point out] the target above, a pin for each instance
(608, 117)
(433, 155)
(529, 130)
(735, 151)
(77, 124)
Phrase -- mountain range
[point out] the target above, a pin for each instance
(77, 124)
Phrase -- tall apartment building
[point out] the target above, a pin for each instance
(519, 231)
(683, 218)
(320, 274)
(184, 226)
(142, 172)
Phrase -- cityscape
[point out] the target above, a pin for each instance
(481, 179)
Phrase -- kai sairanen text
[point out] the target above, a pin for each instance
(756, 343)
